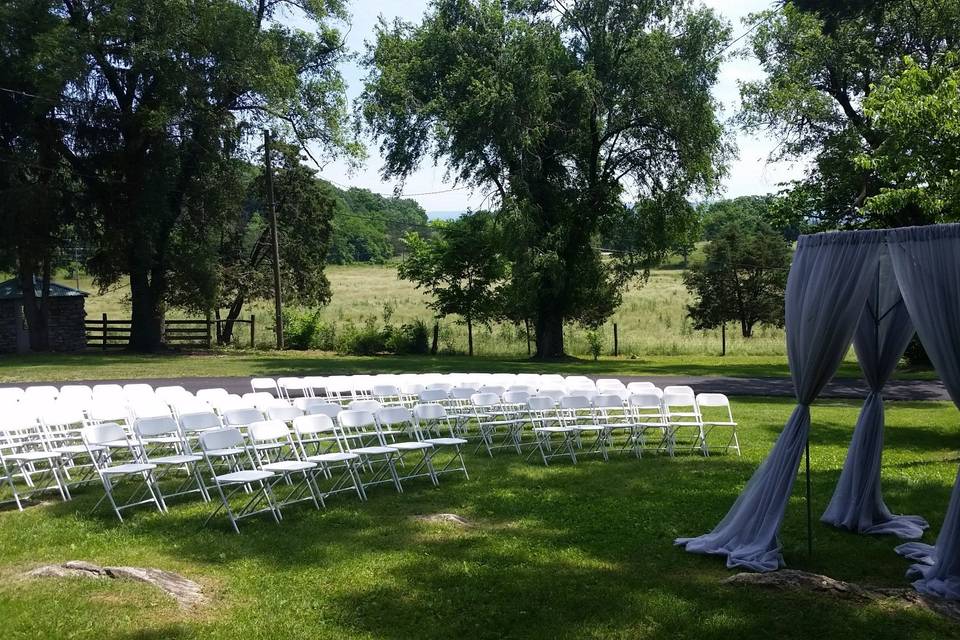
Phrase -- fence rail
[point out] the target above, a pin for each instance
(114, 333)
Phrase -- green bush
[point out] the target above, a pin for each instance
(325, 337)
(299, 328)
(408, 338)
(595, 342)
(364, 340)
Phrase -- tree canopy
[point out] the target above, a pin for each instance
(562, 112)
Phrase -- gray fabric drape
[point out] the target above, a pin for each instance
(927, 263)
(881, 338)
(826, 293)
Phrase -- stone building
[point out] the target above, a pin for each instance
(67, 332)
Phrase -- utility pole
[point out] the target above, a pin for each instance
(277, 297)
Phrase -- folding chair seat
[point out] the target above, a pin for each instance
(400, 420)
(241, 477)
(102, 441)
(683, 417)
(646, 415)
(714, 404)
(163, 444)
(25, 454)
(547, 426)
(285, 413)
(265, 385)
(377, 458)
(433, 423)
(497, 428)
(290, 388)
(274, 450)
(576, 412)
(319, 442)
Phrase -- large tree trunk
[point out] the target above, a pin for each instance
(36, 311)
(146, 312)
(549, 330)
(233, 313)
(469, 336)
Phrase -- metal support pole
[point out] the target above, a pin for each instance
(277, 295)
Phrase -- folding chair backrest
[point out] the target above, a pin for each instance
(541, 403)
(76, 392)
(645, 400)
(148, 408)
(210, 394)
(515, 397)
(137, 388)
(554, 394)
(526, 388)
(100, 434)
(445, 386)
(313, 424)
(172, 394)
(462, 393)
(156, 426)
(607, 401)
(678, 400)
(10, 395)
(283, 413)
(315, 384)
(325, 408)
(640, 387)
(430, 411)
(485, 399)
(107, 410)
(678, 389)
(228, 438)
(286, 385)
(715, 401)
(62, 415)
(264, 384)
(268, 430)
(575, 402)
(107, 388)
(242, 417)
(433, 395)
(355, 418)
(204, 421)
(40, 393)
(370, 406)
(385, 391)
(493, 388)
(609, 385)
(394, 415)
(189, 404)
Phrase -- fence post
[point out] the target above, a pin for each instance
(104, 342)
(253, 325)
(209, 336)
(616, 341)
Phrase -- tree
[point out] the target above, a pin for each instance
(918, 115)
(460, 266)
(562, 111)
(162, 99)
(821, 61)
(743, 278)
(240, 249)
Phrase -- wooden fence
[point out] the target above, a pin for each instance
(110, 333)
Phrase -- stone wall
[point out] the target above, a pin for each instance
(67, 331)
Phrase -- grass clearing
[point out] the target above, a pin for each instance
(558, 552)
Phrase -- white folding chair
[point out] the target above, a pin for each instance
(386, 394)
(400, 420)
(319, 442)
(285, 413)
(576, 412)
(106, 443)
(24, 454)
(40, 394)
(495, 424)
(241, 418)
(290, 388)
(718, 417)
(163, 445)
(377, 459)
(683, 417)
(612, 413)
(227, 446)
(646, 415)
(432, 419)
(273, 450)
(10, 395)
(209, 395)
(75, 393)
(547, 426)
(64, 423)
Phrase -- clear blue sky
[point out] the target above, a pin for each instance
(749, 174)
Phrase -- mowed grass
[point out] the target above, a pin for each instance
(651, 321)
(567, 551)
(121, 366)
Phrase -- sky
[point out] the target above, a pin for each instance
(750, 173)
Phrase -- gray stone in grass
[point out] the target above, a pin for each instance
(793, 580)
(185, 592)
(445, 517)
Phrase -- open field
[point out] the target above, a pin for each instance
(558, 552)
(651, 321)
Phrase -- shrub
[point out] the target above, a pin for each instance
(366, 340)
(595, 342)
(299, 328)
(325, 337)
(408, 338)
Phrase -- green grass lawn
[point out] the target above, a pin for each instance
(117, 365)
(558, 552)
